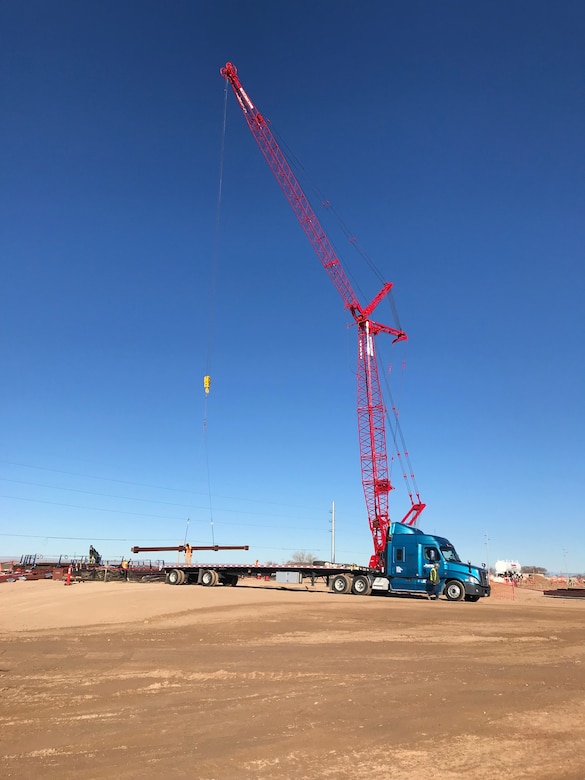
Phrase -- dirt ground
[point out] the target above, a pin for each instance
(133, 680)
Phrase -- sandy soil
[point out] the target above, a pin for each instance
(134, 680)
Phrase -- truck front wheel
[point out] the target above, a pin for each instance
(454, 590)
(339, 583)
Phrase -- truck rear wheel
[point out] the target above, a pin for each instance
(361, 585)
(208, 578)
(340, 583)
(454, 590)
(175, 577)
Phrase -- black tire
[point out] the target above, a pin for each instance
(175, 577)
(472, 598)
(340, 583)
(208, 578)
(454, 590)
(361, 585)
(230, 580)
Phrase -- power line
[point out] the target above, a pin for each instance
(239, 499)
(92, 476)
(158, 540)
(92, 493)
(241, 524)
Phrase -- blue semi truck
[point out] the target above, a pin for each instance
(410, 554)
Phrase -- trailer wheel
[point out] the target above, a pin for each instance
(361, 586)
(231, 580)
(208, 578)
(340, 583)
(454, 590)
(175, 577)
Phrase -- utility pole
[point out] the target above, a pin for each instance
(333, 532)
(487, 553)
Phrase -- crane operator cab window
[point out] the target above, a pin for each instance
(432, 554)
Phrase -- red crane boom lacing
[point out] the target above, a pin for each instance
(370, 404)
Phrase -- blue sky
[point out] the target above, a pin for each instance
(449, 136)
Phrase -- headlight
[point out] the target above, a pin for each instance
(474, 580)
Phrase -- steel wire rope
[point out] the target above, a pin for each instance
(395, 428)
(211, 316)
(388, 365)
(394, 424)
(342, 225)
(398, 438)
(326, 204)
(303, 174)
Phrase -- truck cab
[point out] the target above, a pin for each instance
(411, 553)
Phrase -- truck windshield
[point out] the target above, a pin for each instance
(450, 553)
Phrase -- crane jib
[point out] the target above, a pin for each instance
(371, 410)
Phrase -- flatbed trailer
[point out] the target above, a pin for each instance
(409, 557)
(339, 578)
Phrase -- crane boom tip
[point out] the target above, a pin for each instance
(228, 70)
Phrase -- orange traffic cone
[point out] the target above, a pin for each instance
(68, 580)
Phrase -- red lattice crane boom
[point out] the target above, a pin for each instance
(370, 405)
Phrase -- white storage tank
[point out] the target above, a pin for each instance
(507, 568)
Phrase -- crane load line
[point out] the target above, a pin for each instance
(371, 410)
(211, 316)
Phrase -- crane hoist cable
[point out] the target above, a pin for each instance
(211, 316)
(351, 238)
(326, 204)
(392, 413)
(371, 411)
(400, 448)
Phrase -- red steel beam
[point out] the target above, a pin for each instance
(181, 548)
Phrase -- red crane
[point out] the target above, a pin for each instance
(371, 410)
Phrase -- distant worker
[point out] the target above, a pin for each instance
(94, 556)
(125, 566)
(188, 554)
(435, 582)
